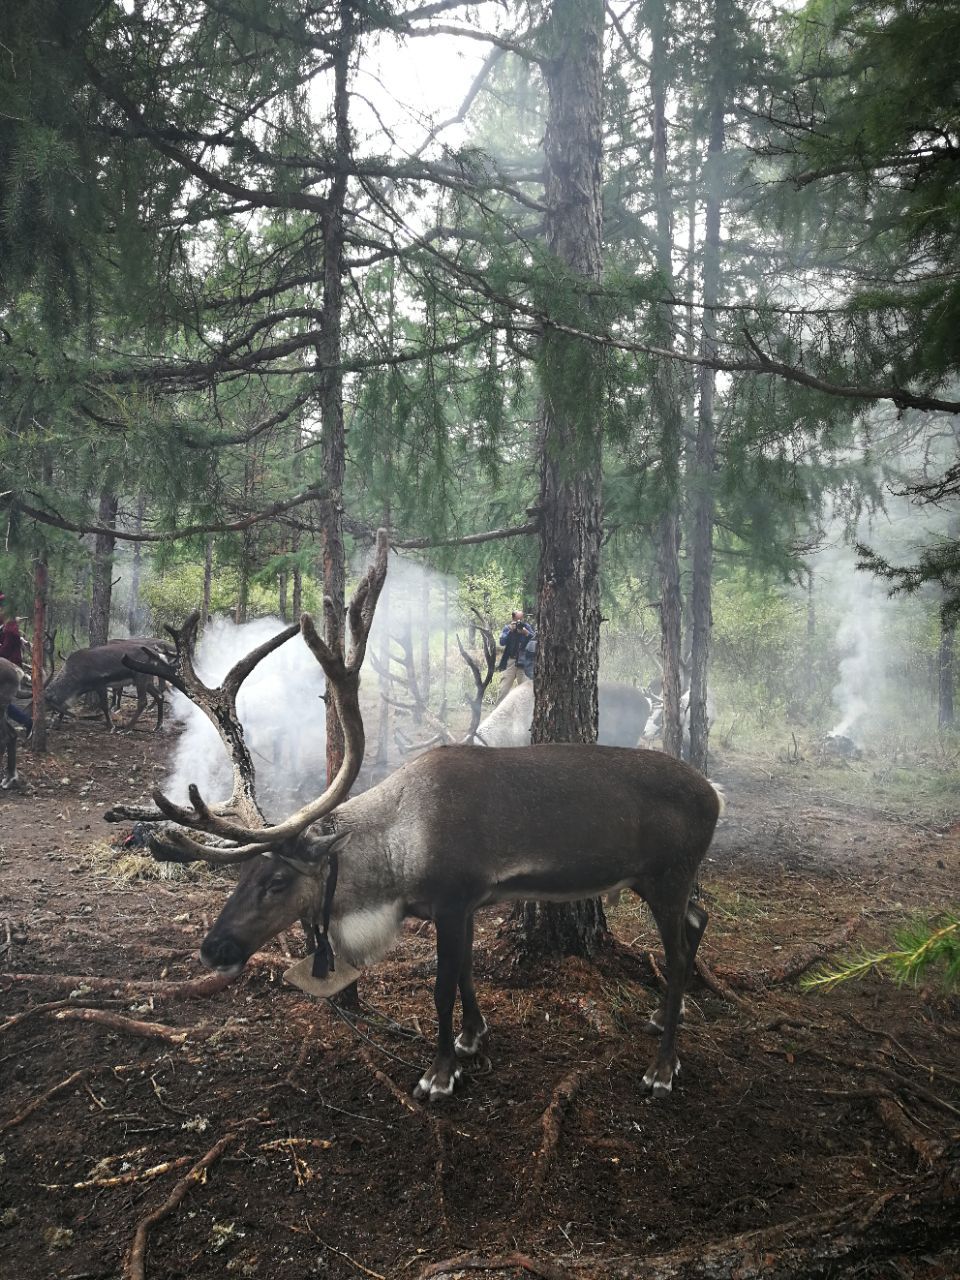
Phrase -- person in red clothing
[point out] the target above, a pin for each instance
(11, 648)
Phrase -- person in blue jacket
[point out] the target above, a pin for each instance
(513, 639)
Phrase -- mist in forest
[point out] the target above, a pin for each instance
(876, 685)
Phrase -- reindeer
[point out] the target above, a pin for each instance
(458, 828)
(624, 712)
(10, 677)
(101, 668)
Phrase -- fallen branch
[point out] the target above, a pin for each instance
(135, 1265)
(44, 1097)
(551, 1122)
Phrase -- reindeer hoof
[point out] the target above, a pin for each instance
(10, 784)
(467, 1044)
(658, 1081)
(437, 1083)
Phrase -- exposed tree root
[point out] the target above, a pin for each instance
(551, 1122)
(132, 1026)
(794, 965)
(508, 1262)
(135, 1264)
(120, 1179)
(720, 989)
(44, 1097)
(159, 989)
(38, 1009)
(920, 1215)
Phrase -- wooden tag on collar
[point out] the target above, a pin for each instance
(301, 975)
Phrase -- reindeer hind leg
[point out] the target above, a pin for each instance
(681, 926)
(467, 1044)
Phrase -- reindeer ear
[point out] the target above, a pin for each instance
(309, 856)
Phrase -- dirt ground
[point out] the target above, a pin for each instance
(809, 1134)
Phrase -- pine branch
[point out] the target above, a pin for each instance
(921, 948)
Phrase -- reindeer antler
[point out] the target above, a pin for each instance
(482, 682)
(343, 681)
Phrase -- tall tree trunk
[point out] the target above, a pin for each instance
(282, 584)
(667, 398)
(702, 479)
(133, 602)
(947, 674)
(329, 357)
(565, 693)
(102, 592)
(207, 582)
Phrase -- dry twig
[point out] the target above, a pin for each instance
(44, 1097)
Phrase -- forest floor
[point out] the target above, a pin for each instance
(255, 1132)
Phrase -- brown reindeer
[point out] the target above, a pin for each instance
(459, 828)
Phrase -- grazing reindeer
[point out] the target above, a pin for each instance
(10, 677)
(458, 828)
(99, 669)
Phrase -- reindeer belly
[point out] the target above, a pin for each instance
(553, 885)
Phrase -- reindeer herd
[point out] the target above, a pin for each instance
(455, 829)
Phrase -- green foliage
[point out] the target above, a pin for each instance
(492, 593)
(176, 592)
(922, 947)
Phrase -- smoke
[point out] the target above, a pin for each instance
(861, 641)
(280, 703)
(280, 706)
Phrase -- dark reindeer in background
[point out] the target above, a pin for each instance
(102, 668)
(458, 828)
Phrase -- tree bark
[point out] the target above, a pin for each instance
(704, 459)
(570, 435)
(133, 602)
(207, 582)
(102, 590)
(667, 399)
(946, 670)
(329, 356)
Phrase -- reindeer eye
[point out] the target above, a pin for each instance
(279, 882)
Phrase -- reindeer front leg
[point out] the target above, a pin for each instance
(441, 1077)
